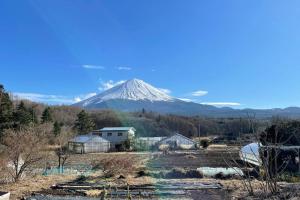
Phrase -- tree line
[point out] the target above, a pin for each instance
(27, 130)
(14, 114)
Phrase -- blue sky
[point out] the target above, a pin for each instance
(236, 53)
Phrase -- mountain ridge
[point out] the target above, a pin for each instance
(135, 95)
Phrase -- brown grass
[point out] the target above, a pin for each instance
(237, 187)
(33, 184)
(145, 180)
(93, 193)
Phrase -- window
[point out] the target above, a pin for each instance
(109, 134)
(120, 134)
(100, 134)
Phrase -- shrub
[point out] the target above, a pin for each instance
(142, 173)
(117, 165)
(194, 174)
(81, 179)
(176, 173)
(222, 176)
(204, 143)
(290, 178)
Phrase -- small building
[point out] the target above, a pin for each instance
(147, 143)
(89, 144)
(117, 136)
(178, 141)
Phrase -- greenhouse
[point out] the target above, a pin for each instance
(89, 144)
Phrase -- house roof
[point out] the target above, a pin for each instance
(152, 138)
(178, 134)
(117, 129)
(88, 138)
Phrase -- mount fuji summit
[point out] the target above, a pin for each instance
(135, 95)
(135, 90)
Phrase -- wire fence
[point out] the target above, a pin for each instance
(82, 170)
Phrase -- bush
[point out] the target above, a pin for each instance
(222, 176)
(204, 143)
(176, 173)
(142, 173)
(81, 179)
(194, 174)
(117, 165)
(290, 178)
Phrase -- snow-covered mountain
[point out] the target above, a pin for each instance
(133, 90)
(135, 95)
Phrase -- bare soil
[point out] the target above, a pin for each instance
(155, 161)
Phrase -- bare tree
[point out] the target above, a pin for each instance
(62, 151)
(271, 166)
(24, 148)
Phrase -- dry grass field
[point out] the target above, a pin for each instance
(146, 162)
(34, 184)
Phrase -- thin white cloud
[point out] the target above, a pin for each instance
(83, 97)
(221, 104)
(93, 67)
(110, 84)
(51, 99)
(185, 99)
(45, 98)
(167, 91)
(124, 68)
(199, 93)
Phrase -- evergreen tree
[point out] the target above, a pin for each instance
(47, 116)
(22, 116)
(34, 117)
(84, 123)
(6, 110)
(57, 128)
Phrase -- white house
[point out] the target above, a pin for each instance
(117, 136)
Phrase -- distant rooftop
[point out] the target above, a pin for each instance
(152, 138)
(87, 138)
(117, 129)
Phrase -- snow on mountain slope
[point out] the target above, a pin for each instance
(134, 90)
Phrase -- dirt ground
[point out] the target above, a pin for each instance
(33, 184)
(212, 157)
(193, 160)
(155, 161)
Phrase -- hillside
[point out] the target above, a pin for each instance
(150, 123)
